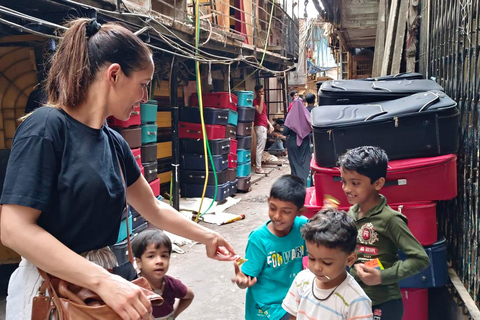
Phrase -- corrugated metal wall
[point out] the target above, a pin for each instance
(448, 53)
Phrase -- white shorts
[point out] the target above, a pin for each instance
(23, 286)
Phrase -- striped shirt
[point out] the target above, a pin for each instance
(348, 302)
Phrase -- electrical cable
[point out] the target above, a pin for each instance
(188, 54)
(21, 15)
(11, 24)
(206, 146)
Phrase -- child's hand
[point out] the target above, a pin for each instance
(369, 276)
(243, 281)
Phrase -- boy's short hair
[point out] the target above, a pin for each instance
(333, 229)
(310, 98)
(289, 188)
(292, 93)
(258, 87)
(369, 161)
(147, 237)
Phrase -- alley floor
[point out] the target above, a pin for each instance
(216, 297)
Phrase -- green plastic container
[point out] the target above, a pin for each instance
(148, 112)
(149, 133)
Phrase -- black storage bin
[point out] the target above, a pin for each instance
(138, 221)
(246, 114)
(233, 186)
(244, 183)
(210, 115)
(197, 162)
(420, 125)
(244, 142)
(151, 170)
(164, 165)
(196, 190)
(341, 92)
(231, 132)
(244, 129)
(149, 152)
(195, 146)
(198, 177)
(164, 134)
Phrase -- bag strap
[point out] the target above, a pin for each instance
(129, 244)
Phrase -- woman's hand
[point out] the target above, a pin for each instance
(125, 298)
(218, 248)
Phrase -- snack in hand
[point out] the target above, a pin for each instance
(374, 263)
(330, 202)
(239, 260)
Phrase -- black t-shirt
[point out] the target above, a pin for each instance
(70, 172)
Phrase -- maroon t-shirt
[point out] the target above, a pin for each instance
(260, 119)
(174, 288)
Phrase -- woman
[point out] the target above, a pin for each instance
(297, 129)
(64, 188)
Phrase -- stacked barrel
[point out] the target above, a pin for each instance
(220, 118)
(246, 116)
(416, 123)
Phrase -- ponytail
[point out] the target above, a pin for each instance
(86, 47)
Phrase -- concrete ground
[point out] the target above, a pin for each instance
(216, 298)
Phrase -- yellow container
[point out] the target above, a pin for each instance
(164, 149)
(165, 177)
(164, 119)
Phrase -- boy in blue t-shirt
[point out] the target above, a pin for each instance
(274, 252)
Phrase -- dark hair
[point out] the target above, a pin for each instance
(144, 238)
(79, 57)
(369, 161)
(333, 229)
(258, 87)
(310, 98)
(292, 93)
(289, 188)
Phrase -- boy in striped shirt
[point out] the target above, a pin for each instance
(326, 291)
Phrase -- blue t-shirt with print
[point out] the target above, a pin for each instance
(274, 261)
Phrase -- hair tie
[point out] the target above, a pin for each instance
(92, 27)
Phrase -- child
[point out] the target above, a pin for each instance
(325, 290)
(381, 232)
(152, 250)
(274, 252)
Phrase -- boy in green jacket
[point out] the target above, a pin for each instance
(381, 232)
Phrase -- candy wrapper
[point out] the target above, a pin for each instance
(239, 260)
(330, 202)
(374, 263)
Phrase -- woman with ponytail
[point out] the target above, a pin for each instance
(64, 192)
